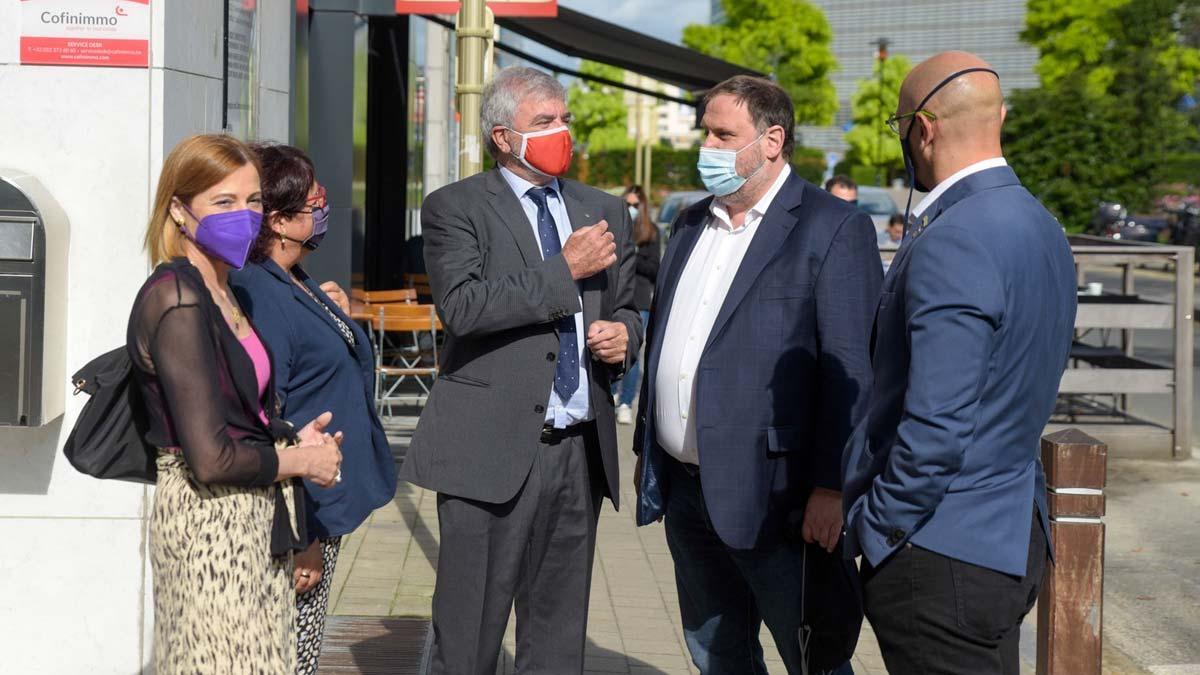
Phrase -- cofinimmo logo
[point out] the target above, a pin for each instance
(78, 19)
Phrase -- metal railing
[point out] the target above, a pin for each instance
(1095, 389)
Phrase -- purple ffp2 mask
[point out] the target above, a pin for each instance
(228, 235)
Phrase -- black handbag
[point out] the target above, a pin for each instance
(108, 438)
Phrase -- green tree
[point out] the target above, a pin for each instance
(1082, 137)
(1096, 37)
(788, 39)
(872, 144)
(1067, 147)
(601, 118)
(1072, 36)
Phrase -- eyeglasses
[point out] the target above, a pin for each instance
(317, 201)
(893, 122)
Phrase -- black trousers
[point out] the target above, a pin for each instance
(537, 550)
(933, 614)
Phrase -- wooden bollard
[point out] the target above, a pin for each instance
(1070, 607)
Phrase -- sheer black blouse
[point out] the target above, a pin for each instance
(198, 382)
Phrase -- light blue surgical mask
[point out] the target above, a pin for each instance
(633, 212)
(718, 169)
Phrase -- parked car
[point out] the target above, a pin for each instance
(878, 204)
(672, 204)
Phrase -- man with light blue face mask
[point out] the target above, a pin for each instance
(756, 371)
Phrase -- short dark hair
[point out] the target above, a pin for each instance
(896, 219)
(840, 180)
(768, 103)
(287, 176)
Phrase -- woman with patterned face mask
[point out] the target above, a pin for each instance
(324, 361)
(227, 515)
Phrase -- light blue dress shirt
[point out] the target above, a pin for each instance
(578, 409)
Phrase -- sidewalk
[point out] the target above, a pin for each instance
(388, 566)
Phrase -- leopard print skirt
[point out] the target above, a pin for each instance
(311, 608)
(222, 603)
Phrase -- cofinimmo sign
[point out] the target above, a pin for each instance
(78, 19)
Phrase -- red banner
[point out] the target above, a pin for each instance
(542, 8)
(83, 52)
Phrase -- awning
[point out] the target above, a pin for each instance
(577, 34)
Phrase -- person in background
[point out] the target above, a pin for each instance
(843, 187)
(945, 497)
(323, 362)
(224, 524)
(893, 234)
(645, 237)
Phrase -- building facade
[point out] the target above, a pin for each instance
(918, 29)
(667, 122)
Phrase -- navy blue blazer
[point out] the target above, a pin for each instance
(316, 370)
(785, 374)
(971, 338)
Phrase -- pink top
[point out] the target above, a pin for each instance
(262, 366)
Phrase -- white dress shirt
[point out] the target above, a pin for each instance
(558, 414)
(699, 294)
(941, 187)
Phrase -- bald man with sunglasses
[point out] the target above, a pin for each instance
(945, 497)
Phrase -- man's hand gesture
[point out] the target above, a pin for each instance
(590, 250)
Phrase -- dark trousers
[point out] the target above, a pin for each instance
(537, 550)
(726, 594)
(933, 614)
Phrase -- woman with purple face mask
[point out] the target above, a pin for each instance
(324, 361)
(228, 514)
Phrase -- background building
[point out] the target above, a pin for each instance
(918, 29)
(671, 123)
(718, 12)
(676, 121)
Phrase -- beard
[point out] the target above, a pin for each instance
(752, 168)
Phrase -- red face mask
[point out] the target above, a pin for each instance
(546, 152)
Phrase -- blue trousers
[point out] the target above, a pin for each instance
(632, 380)
(726, 594)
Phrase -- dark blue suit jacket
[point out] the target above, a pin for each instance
(316, 370)
(971, 338)
(785, 373)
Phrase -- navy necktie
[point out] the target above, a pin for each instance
(566, 374)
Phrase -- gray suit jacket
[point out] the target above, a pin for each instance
(498, 301)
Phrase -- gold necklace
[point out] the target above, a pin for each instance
(234, 311)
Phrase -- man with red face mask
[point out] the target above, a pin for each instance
(533, 278)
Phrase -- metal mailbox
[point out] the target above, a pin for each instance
(33, 302)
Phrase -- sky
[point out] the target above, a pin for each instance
(646, 16)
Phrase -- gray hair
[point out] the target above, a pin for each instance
(504, 94)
